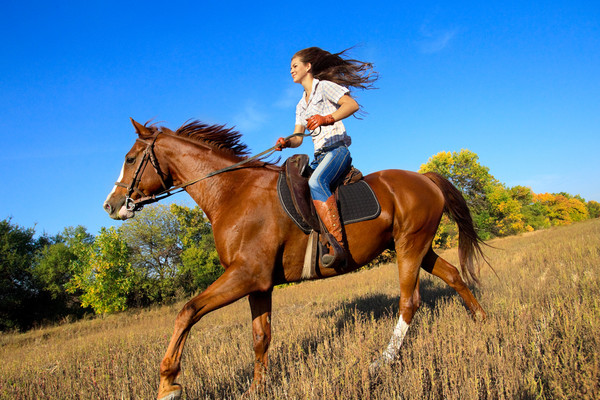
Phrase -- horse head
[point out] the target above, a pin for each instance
(142, 176)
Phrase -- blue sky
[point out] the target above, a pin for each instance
(516, 82)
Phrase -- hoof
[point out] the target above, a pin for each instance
(172, 395)
(377, 365)
(374, 369)
(480, 316)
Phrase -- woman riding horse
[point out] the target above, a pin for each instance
(325, 103)
(260, 247)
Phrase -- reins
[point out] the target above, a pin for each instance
(136, 205)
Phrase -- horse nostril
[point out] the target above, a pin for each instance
(108, 207)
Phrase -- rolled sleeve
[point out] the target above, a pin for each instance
(332, 91)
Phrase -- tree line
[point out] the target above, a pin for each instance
(499, 210)
(164, 253)
(167, 251)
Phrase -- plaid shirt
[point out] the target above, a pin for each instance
(323, 101)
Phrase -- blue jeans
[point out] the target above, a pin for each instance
(328, 168)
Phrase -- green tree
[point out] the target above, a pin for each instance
(18, 289)
(473, 180)
(522, 194)
(466, 173)
(155, 249)
(447, 234)
(200, 262)
(505, 210)
(533, 215)
(172, 251)
(53, 262)
(53, 270)
(593, 208)
(102, 272)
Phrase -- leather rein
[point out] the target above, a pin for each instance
(150, 157)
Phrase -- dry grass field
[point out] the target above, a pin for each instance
(541, 339)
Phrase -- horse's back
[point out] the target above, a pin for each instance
(405, 186)
(409, 196)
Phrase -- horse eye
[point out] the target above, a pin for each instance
(130, 160)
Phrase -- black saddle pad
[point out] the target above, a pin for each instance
(357, 203)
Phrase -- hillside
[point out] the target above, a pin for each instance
(541, 338)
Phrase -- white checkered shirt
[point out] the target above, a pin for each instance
(323, 101)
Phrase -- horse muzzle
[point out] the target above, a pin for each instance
(122, 210)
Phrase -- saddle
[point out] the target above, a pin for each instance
(356, 200)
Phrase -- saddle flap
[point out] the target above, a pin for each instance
(296, 168)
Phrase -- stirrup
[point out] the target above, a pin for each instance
(338, 257)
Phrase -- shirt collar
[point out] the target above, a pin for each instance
(312, 92)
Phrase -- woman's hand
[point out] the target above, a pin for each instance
(317, 120)
(281, 144)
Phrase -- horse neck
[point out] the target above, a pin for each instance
(189, 161)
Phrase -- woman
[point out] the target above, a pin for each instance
(326, 78)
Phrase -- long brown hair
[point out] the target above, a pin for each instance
(338, 68)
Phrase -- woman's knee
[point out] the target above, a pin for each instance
(312, 181)
(317, 189)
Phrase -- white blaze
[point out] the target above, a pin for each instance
(118, 180)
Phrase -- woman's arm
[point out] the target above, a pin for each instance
(291, 142)
(348, 106)
(296, 140)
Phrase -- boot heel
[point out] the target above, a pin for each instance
(336, 256)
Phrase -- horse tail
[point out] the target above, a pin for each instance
(469, 242)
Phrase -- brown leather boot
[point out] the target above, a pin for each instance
(328, 212)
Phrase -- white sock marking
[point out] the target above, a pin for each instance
(396, 341)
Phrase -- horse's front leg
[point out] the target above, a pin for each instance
(410, 254)
(260, 305)
(231, 286)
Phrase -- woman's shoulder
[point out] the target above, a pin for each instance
(325, 82)
(332, 88)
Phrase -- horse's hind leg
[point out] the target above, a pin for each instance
(441, 268)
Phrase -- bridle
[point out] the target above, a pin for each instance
(149, 157)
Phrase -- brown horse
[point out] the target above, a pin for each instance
(260, 246)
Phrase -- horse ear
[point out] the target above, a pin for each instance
(140, 129)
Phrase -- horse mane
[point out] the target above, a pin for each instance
(216, 136)
(213, 135)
